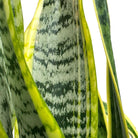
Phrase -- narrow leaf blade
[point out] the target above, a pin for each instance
(113, 95)
(22, 86)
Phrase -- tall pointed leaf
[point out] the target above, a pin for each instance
(27, 101)
(102, 124)
(102, 132)
(116, 118)
(59, 68)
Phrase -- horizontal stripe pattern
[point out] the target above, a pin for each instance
(59, 67)
(24, 107)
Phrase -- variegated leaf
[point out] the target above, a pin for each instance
(131, 128)
(28, 104)
(5, 112)
(18, 21)
(59, 68)
(91, 69)
(116, 120)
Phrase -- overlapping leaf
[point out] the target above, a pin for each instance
(88, 57)
(131, 129)
(58, 52)
(58, 43)
(28, 104)
(117, 123)
(30, 35)
(102, 127)
(5, 113)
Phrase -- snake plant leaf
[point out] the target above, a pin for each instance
(65, 78)
(102, 127)
(23, 116)
(28, 104)
(19, 26)
(131, 128)
(5, 113)
(18, 21)
(102, 124)
(117, 122)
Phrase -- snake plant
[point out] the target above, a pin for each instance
(48, 83)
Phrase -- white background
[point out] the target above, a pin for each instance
(124, 35)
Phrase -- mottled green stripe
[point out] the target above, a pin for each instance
(5, 112)
(113, 95)
(30, 105)
(59, 66)
(18, 21)
(130, 126)
(87, 44)
(25, 111)
(104, 25)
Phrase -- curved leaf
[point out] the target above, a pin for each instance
(16, 131)
(87, 46)
(116, 118)
(102, 123)
(30, 35)
(101, 117)
(28, 104)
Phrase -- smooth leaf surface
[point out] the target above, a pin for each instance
(102, 132)
(30, 35)
(59, 67)
(21, 99)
